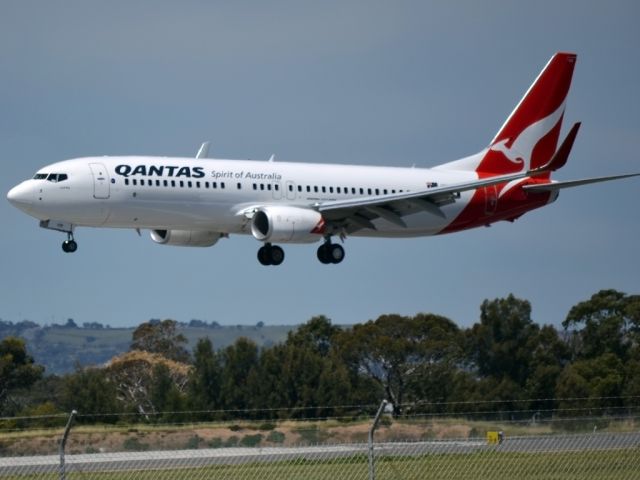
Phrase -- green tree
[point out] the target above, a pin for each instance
(393, 351)
(501, 344)
(599, 380)
(89, 391)
(161, 338)
(206, 377)
(17, 371)
(240, 362)
(609, 322)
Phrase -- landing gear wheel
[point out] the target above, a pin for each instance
(263, 256)
(270, 254)
(336, 253)
(69, 246)
(323, 254)
(330, 253)
(277, 255)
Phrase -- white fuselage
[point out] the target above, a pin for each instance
(216, 195)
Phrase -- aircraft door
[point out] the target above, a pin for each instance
(276, 189)
(291, 190)
(491, 200)
(100, 181)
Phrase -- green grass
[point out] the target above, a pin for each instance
(488, 464)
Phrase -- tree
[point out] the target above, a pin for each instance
(161, 337)
(501, 344)
(17, 369)
(133, 374)
(205, 378)
(89, 391)
(239, 374)
(609, 322)
(393, 351)
(600, 380)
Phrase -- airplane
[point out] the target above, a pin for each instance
(197, 201)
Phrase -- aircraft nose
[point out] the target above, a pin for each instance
(21, 196)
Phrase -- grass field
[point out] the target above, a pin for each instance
(489, 464)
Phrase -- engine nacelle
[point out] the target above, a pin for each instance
(287, 224)
(185, 238)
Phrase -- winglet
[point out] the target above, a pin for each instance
(561, 156)
(204, 150)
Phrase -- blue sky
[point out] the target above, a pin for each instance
(384, 83)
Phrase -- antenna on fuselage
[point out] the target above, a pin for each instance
(272, 158)
(204, 150)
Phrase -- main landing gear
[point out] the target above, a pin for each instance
(270, 254)
(69, 245)
(330, 252)
(274, 255)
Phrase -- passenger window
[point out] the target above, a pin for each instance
(206, 184)
(338, 190)
(385, 191)
(262, 186)
(330, 189)
(166, 183)
(308, 189)
(134, 181)
(377, 191)
(291, 188)
(157, 183)
(368, 191)
(324, 189)
(189, 184)
(197, 184)
(315, 189)
(239, 186)
(269, 186)
(181, 183)
(255, 186)
(277, 187)
(362, 191)
(126, 181)
(221, 184)
(173, 183)
(299, 188)
(214, 184)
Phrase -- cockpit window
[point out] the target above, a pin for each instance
(40, 176)
(57, 177)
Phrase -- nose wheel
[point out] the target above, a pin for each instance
(330, 253)
(69, 245)
(270, 254)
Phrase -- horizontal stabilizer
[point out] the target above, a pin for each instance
(550, 187)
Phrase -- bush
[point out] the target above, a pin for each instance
(251, 440)
(235, 428)
(193, 442)
(275, 437)
(216, 443)
(134, 445)
(231, 442)
(266, 426)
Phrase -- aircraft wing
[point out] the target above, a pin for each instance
(554, 186)
(357, 213)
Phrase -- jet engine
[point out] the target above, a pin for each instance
(287, 224)
(185, 238)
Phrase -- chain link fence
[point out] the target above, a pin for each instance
(444, 447)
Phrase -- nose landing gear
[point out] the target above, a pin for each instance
(69, 245)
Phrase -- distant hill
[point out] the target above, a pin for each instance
(60, 348)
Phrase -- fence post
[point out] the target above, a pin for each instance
(372, 465)
(63, 442)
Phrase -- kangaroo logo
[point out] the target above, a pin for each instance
(521, 149)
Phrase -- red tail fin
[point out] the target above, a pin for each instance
(529, 137)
